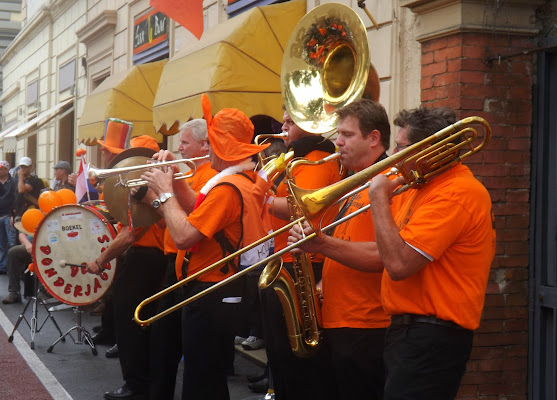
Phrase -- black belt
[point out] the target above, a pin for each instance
(410, 319)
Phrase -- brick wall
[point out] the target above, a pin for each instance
(455, 74)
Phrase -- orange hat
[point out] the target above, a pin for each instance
(116, 135)
(230, 133)
(145, 141)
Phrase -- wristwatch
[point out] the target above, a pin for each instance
(158, 202)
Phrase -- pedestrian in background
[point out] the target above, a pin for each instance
(8, 234)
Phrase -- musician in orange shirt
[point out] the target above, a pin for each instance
(139, 276)
(166, 333)
(290, 373)
(214, 222)
(437, 248)
(353, 318)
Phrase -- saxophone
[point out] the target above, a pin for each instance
(297, 294)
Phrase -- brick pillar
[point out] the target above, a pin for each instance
(455, 74)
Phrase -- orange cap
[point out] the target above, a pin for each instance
(230, 132)
(145, 141)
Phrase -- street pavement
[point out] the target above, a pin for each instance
(70, 370)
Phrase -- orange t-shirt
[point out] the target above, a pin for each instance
(450, 219)
(351, 298)
(202, 174)
(308, 177)
(220, 210)
(153, 237)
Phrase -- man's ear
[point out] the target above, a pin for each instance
(375, 137)
(205, 145)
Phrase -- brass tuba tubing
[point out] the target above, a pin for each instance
(313, 202)
(265, 136)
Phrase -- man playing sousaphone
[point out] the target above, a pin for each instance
(226, 215)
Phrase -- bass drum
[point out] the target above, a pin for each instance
(67, 238)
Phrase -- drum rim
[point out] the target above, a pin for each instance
(113, 233)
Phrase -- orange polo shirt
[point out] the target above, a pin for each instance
(308, 177)
(202, 174)
(450, 219)
(351, 298)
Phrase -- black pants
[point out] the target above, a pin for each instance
(294, 377)
(140, 276)
(166, 340)
(249, 322)
(18, 260)
(207, 337)
(425, 361)
(357, 357)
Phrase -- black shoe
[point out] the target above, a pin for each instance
(12, 298)
(102, 338)
(112, 352)
(259, 387)
(125, 392)
(253, 379)
(97, 328)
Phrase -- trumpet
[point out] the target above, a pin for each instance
(418, 164)
(97, 173)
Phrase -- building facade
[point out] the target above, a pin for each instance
(493, 59)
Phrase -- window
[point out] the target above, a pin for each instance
(66, 76)
(32, 93)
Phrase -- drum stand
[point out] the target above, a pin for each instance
(83, 334)
(33, 324)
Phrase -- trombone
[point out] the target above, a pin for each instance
(418, 164)
(97, 173)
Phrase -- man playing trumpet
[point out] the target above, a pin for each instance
(166, 334)
(226, 215)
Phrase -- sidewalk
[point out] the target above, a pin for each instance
(24, 376)
(71, 371)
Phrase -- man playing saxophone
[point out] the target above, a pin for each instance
(211, 224)
(289, 372)
(353, 317)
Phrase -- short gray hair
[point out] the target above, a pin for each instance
(198, 127)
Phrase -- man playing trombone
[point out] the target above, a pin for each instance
(437, 247)
(353, 318)
(436, 244)
(212, 224)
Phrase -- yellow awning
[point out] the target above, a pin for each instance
(128, 96)
(237, 64)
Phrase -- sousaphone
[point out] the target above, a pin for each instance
(326, 65)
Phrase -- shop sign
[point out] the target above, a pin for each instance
(149, 30)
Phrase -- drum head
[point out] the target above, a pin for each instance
(68, 237)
